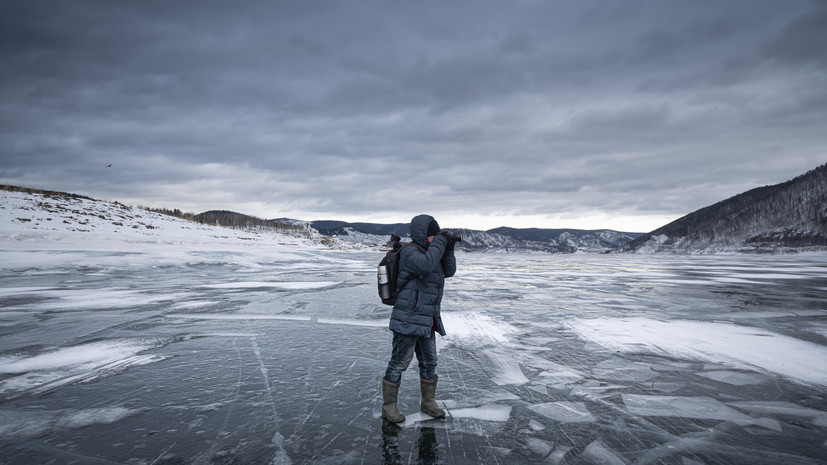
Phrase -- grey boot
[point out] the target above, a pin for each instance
(389, 410)
(428, 405)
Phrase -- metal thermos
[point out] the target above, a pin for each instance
(384, 286)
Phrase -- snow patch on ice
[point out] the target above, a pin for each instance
(74, 364)
(704, 408)
(777, 408)
(224, 334)
(763, 422)
(595, 390)
(237, 316)
(564, 412)
(258, 316)
(348, 322)
(94, 416)
(475, 328)
(97, 299)
(735, 378)
(284, 286)
(504, 369)
(597, 452)
(539, 446)
(489, 412)
(535, 425)
(16, 291)
(560, 375)
(194, 304)
(20, 423)
(733, 345)
(820, 329)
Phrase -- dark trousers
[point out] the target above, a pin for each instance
(404, 348)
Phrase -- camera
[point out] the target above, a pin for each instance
(455, 236)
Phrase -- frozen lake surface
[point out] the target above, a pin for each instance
(235, 356)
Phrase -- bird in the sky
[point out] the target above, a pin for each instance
(109, 165)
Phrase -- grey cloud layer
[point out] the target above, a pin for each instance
(655, 107)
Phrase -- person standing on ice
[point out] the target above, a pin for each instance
(415, 317)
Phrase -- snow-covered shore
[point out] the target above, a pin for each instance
(62, 222)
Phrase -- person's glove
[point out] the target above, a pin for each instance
(449, 240)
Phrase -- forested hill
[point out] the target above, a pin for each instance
(239, 220)
(791, 216)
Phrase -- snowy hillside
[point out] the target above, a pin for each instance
(61, 218)
(786, 217)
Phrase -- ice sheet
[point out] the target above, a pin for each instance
(254, 373)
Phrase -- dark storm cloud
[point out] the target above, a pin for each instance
(371, 110)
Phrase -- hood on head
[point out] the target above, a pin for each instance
(419, 229)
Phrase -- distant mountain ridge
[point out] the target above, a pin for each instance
(790, 216)
(501, 239)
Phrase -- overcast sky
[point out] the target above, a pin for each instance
(584, 113)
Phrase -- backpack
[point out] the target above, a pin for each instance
(388, 272)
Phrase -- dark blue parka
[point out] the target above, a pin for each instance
(416, 312)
